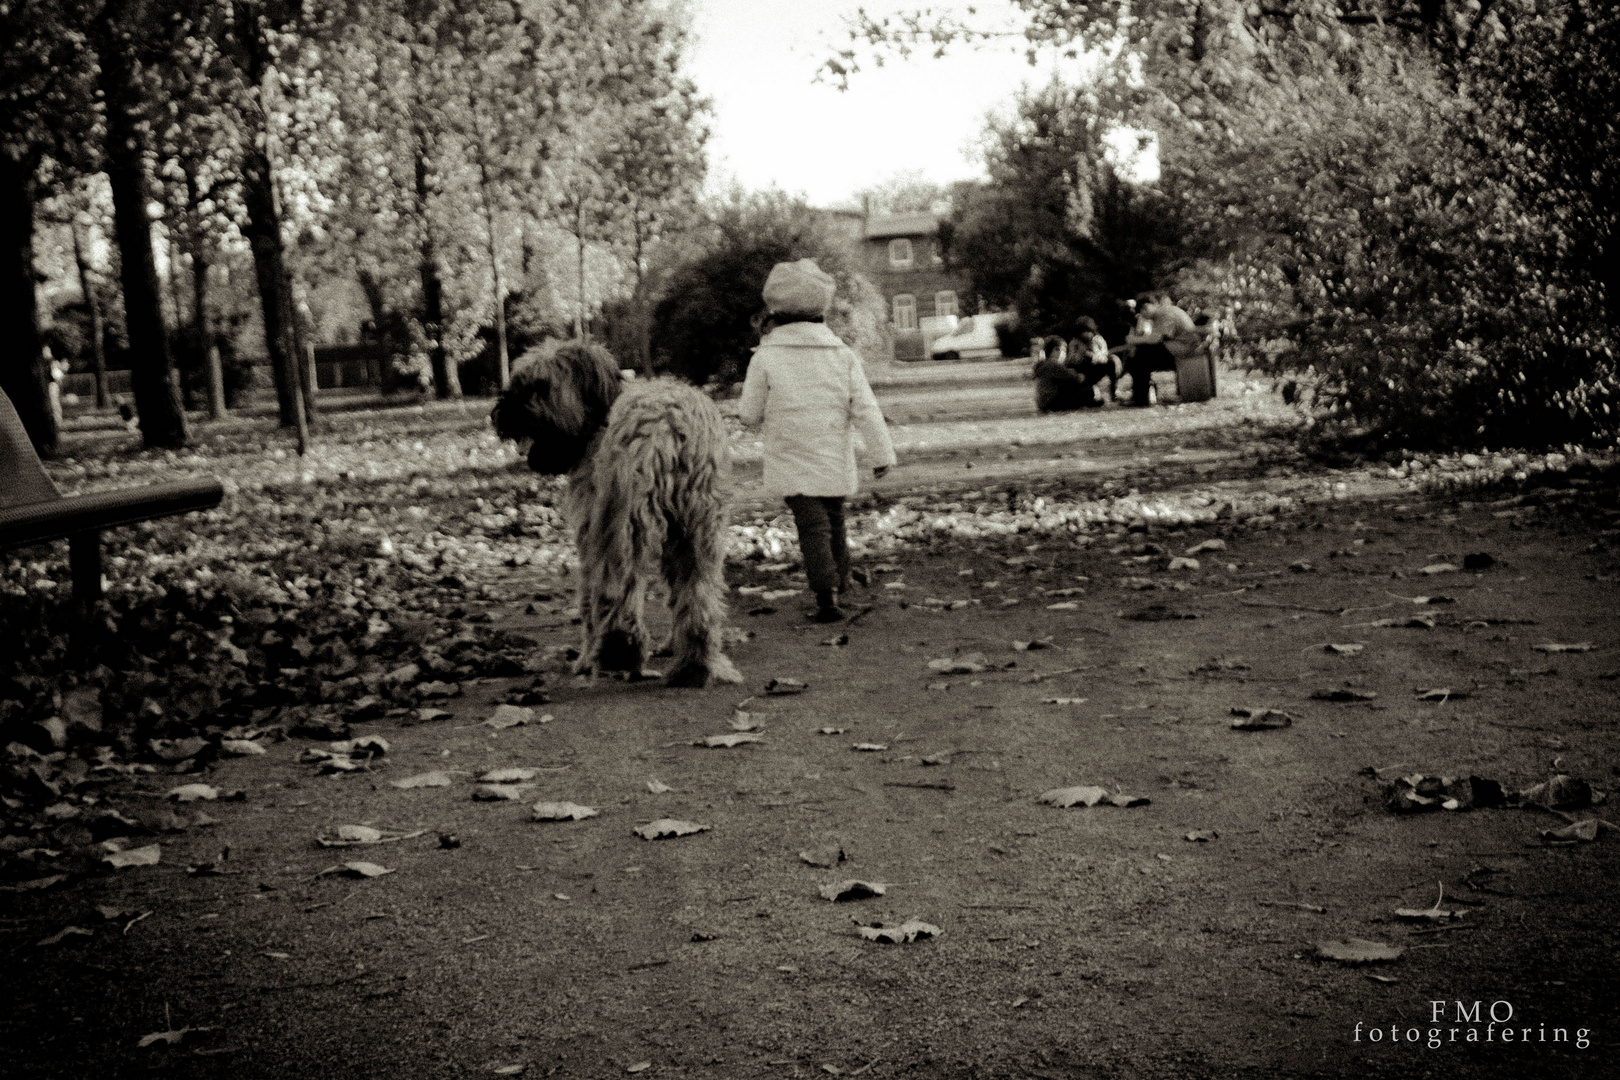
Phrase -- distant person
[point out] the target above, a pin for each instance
(808, 390)
(58, 372)
(1058, 387)
(1163, 334)
(1090, 359)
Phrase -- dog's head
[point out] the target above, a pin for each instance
(559, 399)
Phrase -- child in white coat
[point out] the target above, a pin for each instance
(810, 393)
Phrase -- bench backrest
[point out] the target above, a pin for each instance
(22, 477)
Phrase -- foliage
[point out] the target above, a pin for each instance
(1056, 234)
(1410, 201)
(702, 326)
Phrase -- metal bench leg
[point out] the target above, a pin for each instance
(84, 559)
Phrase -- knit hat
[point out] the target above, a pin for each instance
(798, 288)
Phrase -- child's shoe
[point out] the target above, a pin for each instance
(827, 609)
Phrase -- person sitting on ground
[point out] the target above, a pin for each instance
(1090, 359)
(1058, 388)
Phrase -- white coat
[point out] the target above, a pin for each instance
(807, 388)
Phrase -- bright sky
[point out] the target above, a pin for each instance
(773, 125)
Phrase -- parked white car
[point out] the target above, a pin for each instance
(973, 339)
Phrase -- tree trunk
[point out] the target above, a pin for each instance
(503, 366)
(446, 380)
(98, 326)
(263, 228)
(157, 399)
(24, 375)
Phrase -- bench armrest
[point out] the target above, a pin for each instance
(35, 523)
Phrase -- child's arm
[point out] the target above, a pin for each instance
(751, 404)
(868, 418)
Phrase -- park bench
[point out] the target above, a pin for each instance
(33, 511)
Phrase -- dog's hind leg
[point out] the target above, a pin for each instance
(694, 566)
(616, 546)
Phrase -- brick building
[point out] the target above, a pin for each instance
(900, 254)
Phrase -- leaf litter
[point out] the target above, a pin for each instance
(563, 811)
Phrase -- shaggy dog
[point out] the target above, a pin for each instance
(645, 464)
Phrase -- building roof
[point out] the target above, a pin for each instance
(923, 224)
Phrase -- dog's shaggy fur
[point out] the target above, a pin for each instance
(646, 464)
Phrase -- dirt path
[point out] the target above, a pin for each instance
(1076, 942)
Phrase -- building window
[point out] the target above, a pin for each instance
(900, 254)
(905, 312)
(945, 303)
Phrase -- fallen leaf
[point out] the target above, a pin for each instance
(825, 857)
(507, 776)
(1259, 719)
(1203, 836)
(966, 664)
(563, 811)
(358, 869)
(240, 748)
(509, 1070)
(831, 731)
(501, 792)
(781, 687)
(837, 642)
(1064, 605)
(508, 716)
(910, 930)
(1207, 545)
(1343, 694)
(1441, 693)
(141, 856)
(358, 834)
(939, 687)
(34, 884)
(171, 1038)
(658, 787)
(421, 780)
(773, 595)
(745, 721)
(852, 889)
(1346, 650)
(1074, 796)
(1554, 647)
(1440, 568)
(1585, 831)
(1357, 951)
(1031, 646)
(1382, 978)
(869, 747)
(665, 828)
(186, 793)
(735, 738)
(1063, 701)
(1434, 914)
(1181, 563)
(63, 934)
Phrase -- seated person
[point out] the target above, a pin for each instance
(1058, 388)
(1163, 334)
(1089, 358)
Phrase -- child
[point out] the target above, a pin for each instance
(808, 389)
(1058, 388)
